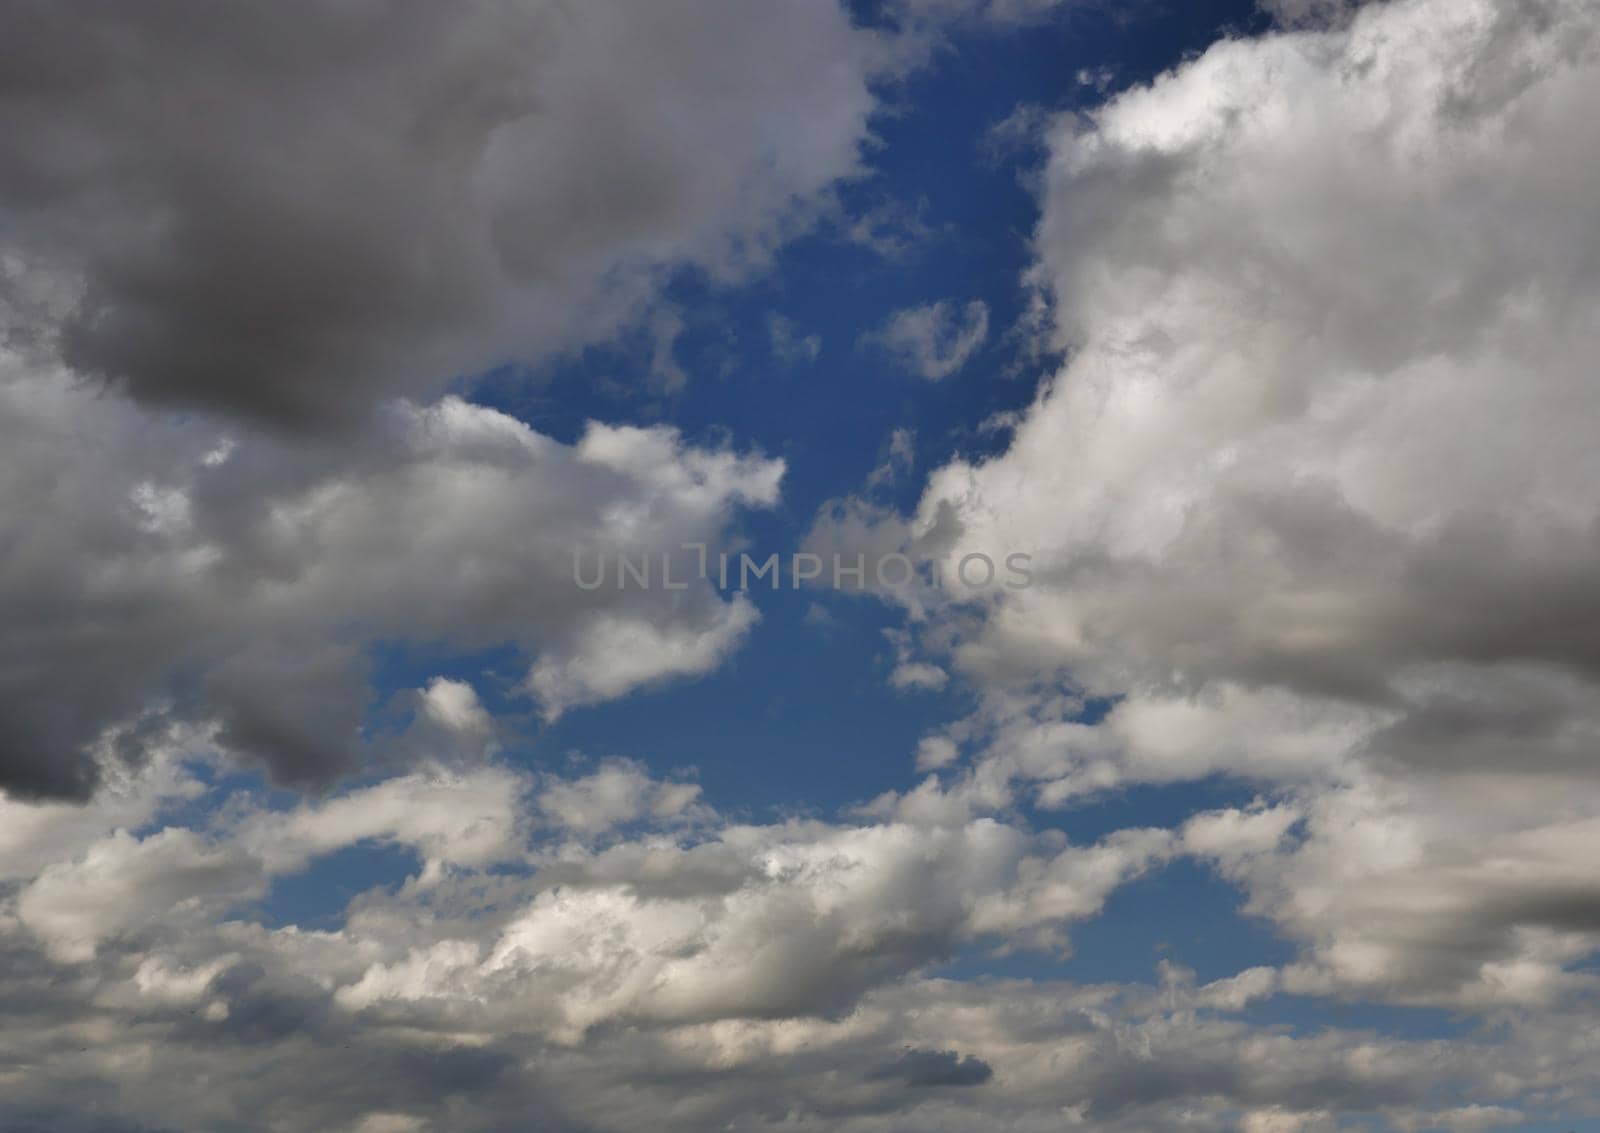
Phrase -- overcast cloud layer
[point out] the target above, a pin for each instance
(1311, 501)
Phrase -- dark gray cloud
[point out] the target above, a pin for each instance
(936, 1068)
(288, 212)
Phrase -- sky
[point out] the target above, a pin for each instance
(1251, 344)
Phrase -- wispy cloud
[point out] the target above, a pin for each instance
(936, 340)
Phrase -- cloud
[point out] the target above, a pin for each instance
(620, 792)
(1438, 894)
(893, 229)
(454, 705)
(1312, 502)
(908, 673)
(706, 973)
(789, 346)
(900, 454)
(1022, 131)
(304, 235)
(122, 883)
(1300, 13)
(719, 942)
(612, 655)
(451, 818)
(294, 217)
(158, 584)
(1274, 542)
(937, 1068)
(919, 676)
(935, 340)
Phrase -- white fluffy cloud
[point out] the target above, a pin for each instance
(1313, 501)
(123, 883)
(619, 792)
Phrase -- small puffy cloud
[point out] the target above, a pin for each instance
(899, 455)
(1233, 835)
(935, 340)
(789, 345)
(910, 674)
(389, 1123)
(607, 656)
(818, 915)
(1020, 132)
(454, 705)
(1276, 1119)
(936, 751)
(620, 792)
(918, 676)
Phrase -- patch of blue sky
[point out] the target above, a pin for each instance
(801, 719)
(316, 898)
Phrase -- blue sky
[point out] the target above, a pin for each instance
(817, 696)
(800, 720)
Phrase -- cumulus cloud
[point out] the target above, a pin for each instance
(1312, 502)
(798, 949)
(169, 574)
(122, 883)
(568, 947)
(454, 706)
(811, 919)
(621, 791)
(935, 340)
(294, 215)
(789, 345)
